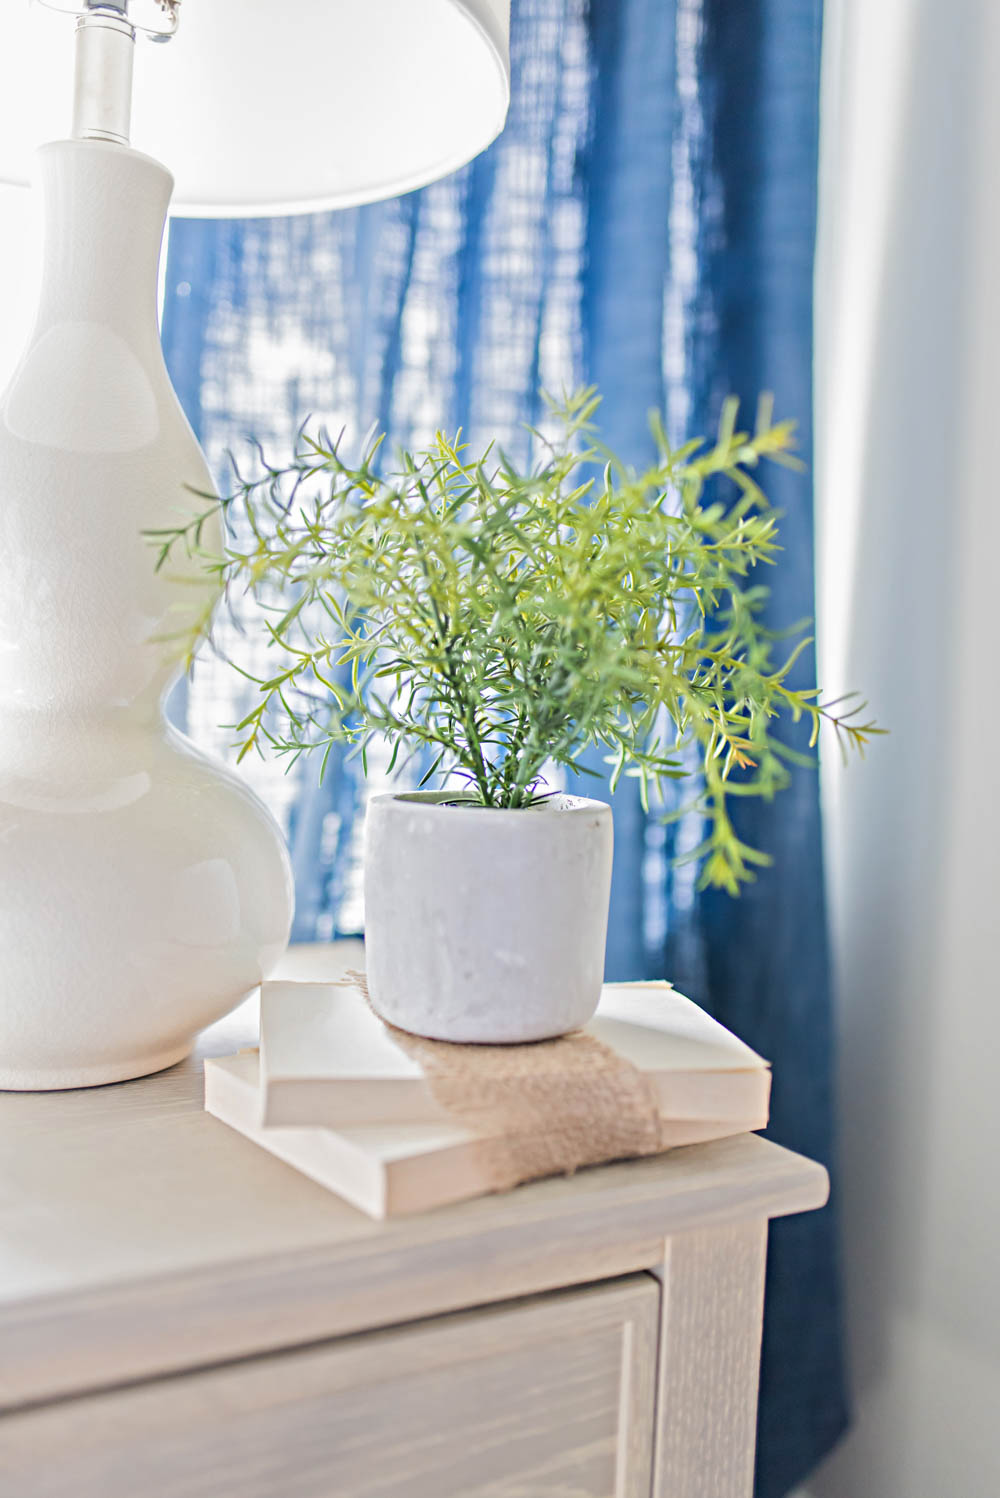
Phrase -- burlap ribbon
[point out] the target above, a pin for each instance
(541, 1109)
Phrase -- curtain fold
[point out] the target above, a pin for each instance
(765, 966)
(645, 222)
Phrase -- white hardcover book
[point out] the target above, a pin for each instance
(328, 1061)
(386, 1170)
(326, 1058)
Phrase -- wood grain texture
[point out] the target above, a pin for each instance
(140, 1236)
(551, 1398)
(713, 1306)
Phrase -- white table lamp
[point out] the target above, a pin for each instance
(143, 888)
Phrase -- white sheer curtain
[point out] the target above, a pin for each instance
(908, 389)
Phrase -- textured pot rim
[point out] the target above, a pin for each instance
(560, 803)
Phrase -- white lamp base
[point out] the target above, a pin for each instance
(93, 1076)
(144, 890)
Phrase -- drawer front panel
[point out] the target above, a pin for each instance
(549, 1396)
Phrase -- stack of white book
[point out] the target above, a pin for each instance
(333, 1093)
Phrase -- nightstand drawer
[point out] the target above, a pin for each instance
(548, 1396)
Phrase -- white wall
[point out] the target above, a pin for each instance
(908, 389)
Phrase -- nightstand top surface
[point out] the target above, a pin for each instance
(137, 1233)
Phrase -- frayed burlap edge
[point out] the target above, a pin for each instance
(541, 1109)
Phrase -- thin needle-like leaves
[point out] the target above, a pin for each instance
(499, 621)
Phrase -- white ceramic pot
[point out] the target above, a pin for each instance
(482, 925)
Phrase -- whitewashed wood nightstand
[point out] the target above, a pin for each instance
(183, 1316)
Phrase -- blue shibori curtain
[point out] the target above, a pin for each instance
(646, 222)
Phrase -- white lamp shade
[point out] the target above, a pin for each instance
(280, 106)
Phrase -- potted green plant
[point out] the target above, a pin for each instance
(499, 624)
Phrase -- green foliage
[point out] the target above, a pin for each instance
(503, 621)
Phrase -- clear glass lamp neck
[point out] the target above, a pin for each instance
(102, 95)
